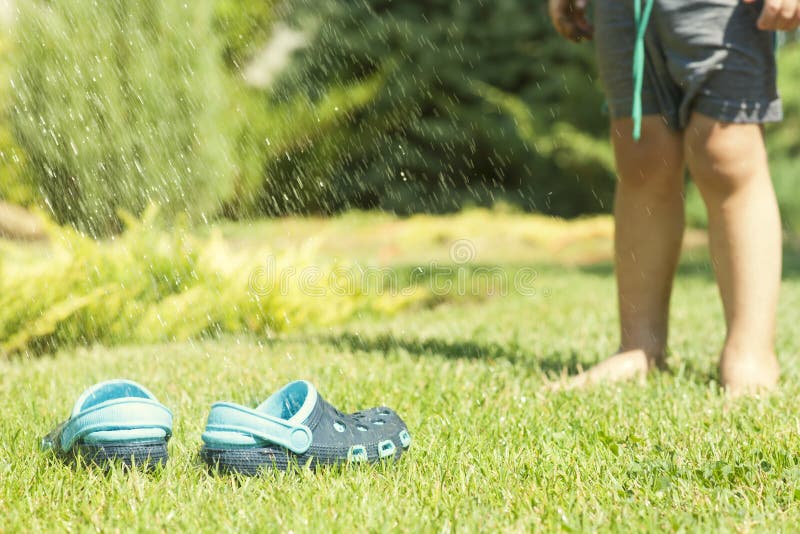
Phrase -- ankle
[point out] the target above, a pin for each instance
(746, 370)
(747, 356)
(656, 356)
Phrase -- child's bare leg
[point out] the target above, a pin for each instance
(728, 162)
(649, 217)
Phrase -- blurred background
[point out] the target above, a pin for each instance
(233, 111)
(241, 109)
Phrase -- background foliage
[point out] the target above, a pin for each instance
(119, 104)
(422, 105)
(158, 282)
(472, 108)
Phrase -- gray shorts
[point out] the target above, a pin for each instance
(702, 55)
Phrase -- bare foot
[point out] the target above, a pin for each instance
(748, 373)
(628, 365)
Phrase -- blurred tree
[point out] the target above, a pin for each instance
(243, 27)
(119, 103)
(478, 102)
(12, 189)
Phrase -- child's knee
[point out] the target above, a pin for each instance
(652, 166)
(724, 158)
(649, 175)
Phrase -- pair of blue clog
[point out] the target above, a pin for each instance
(121, 420)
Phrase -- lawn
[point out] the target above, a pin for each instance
(491, 450)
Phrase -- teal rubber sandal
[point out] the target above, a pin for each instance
(116, 420)
(296, 427)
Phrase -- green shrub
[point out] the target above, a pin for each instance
(121, 103)
(273, 178)
(12, 189)
(153, 284)
(478, 102)
(243, 26)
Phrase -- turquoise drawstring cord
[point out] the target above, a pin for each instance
(642, 19)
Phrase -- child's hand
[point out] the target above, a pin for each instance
(569, 18)
(778, 15)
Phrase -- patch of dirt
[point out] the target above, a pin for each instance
(19, 224)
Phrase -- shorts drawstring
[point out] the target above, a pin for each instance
(642, 19)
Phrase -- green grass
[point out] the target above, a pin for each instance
(491, 450)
